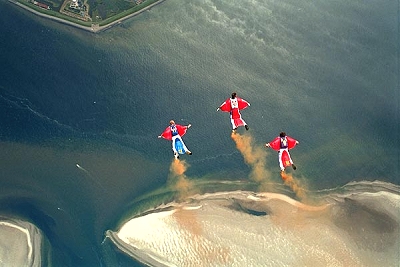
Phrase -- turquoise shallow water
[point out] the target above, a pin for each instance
(326, 73)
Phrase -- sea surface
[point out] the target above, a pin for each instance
(84, 180)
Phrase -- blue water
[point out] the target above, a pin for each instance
(324, 72)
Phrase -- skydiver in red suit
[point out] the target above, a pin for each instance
(174, 132)
(282, 144)
(233, 105)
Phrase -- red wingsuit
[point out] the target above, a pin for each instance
(282, 145)
(174, 132)
(233, 106)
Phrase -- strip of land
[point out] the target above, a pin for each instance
(94, 27)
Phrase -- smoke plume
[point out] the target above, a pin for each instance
(204, 250)
(178, 179)
(294, 184)
(255, 157)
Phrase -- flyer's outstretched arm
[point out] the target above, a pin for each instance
(166, 134)
(242, 103)
(225, 106)
(291, 142)
(274, 144)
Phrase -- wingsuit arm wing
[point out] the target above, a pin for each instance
(166, 134)
(225, 106)
(274, 144)
(291, 142)
(182, 129)
(242, 103)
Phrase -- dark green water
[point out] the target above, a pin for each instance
(326, 73)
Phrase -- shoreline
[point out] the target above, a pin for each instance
(94, 28)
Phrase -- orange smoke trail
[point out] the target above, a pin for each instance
(178, 167)
(254, 157)
(188, 218)
(294, 184)
(179, 180)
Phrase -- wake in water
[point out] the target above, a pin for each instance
(25, 104)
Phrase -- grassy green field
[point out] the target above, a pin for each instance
(101, 12)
